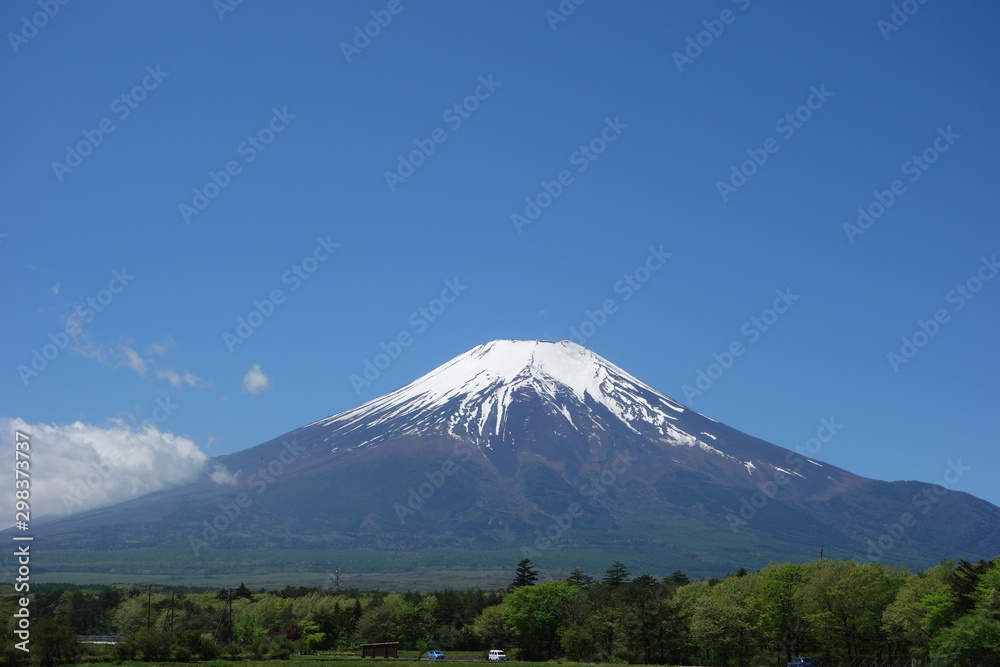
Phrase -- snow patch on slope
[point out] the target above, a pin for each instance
(471, 395)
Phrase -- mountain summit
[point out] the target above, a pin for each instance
(538, 449)
(476, 395)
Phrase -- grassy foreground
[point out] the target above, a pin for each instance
(311, 661)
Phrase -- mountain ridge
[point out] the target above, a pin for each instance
(512, 442)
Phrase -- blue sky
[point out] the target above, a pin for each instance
(215, 156)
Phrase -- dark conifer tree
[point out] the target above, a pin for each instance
(525, 575)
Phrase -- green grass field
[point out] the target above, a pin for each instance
(311, 661)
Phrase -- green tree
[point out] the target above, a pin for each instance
(525, 575)
(616, 575)
(490, 627)
(243, 593)
(379, 619)
(683, 604)
(972, 641)
(414, 623)
(724, 622)
(678, 578)
(578, 578)
(649, 625)
(52, 643)
(779, 623)
(844, 601)
(987, 595)
(153, 645)
(905, 618)
(533, 614)
(578, 643)
(964, 580)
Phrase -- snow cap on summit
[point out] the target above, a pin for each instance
(472, 393)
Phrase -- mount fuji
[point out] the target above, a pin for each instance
(523, 449)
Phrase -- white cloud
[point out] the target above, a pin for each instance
(255, 381)
(76, 467)
(55, 289)
(192, 379)
(221, 475)
(172, 376)
(176, 379)
(118, 356)
(160, 349)
(133, 360)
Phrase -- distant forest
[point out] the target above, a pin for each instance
(834, 611)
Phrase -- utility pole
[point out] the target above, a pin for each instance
(168, 620)
(149, 607)
(224, 632)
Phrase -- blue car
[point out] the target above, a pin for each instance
(802, 662)
(435, 655)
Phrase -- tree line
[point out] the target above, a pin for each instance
(831, 610)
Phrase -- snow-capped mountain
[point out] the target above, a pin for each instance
(506, 397)
(472, 396)
(543, 449)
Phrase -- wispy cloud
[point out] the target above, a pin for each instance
(125, 356)
(177, 380)
(255, 381)
(160, 349)
(132, 359)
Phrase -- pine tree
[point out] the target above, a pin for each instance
(578, 578)
(679, 578)
(616, 575)
(525, 575)
(242, 592)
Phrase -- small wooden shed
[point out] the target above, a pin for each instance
(380, 650)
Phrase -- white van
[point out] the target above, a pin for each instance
(498, 656)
